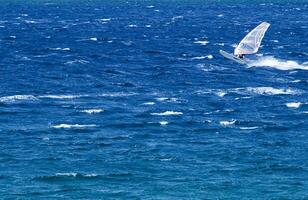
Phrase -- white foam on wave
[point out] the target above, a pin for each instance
(202, 57)
(132, 26)
(75, 126)
(249, 128)
(93, 39)
(270, 61)
(73, 174)
(31, 22)
(177, 17)
(77, 61)
(167, 113)
(14, 98)
(293, 104)
(251, 91)
(93, 111)
(202, 42)
(62, 96)
(227, 123)
(163, 123)
(149, 103)
(105, 20)
(61, 49)
(271, 90)
(118, 94)
(162, 99)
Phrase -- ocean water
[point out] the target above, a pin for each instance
(132, 100)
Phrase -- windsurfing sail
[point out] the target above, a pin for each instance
(251, 42)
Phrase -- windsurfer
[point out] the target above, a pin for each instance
(241, 56)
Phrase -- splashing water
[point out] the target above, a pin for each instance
(270, 61)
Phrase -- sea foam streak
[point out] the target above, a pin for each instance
(270, 61)
(7, 99)
(293, 104)
(167, 113)
(92, 111)
(76, 126)
(62, 96)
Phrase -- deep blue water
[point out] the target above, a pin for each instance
(131, 100)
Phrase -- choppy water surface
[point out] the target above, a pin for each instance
(132, 100)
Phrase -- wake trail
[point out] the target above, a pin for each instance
(272, 62)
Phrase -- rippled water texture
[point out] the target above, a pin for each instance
(131, 100)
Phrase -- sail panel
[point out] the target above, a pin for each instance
(252, 41)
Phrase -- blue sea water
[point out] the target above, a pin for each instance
(132, 100)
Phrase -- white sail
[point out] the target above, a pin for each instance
(251, 42)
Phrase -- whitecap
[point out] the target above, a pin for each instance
(149, 103)
(167, 113)
(204, 42)
(73, 174)
(227, 123)
(293, 104)
(220, 15)
(249, 128)
(271, 91)
(105, 19)
(117, 94)
(62, 96)
(202, 57)
(162, 99)
(93, 111)
(31, 22)
(93, 39)
(61, 49)
(75, 126)
(177, 17)
(8, 99)
(270, 61)
(132, 26)
(77, 61)
(221, 93)
(163, 123)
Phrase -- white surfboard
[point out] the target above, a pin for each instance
(250, 44)
(232, 57)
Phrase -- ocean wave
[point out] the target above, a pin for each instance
(271, 90)
(73, 126)
(293, 104)
(167, 113)
(227, 123)
(14, 98)
(132, 26)
(202, 42)
(118, 94)
(92, 111)
(76, 176)
(60, 49)
(209, 68)
(149, 103)
(270, 61)
(203, 57)
(163, 123)
(76, 61)
(167, 99)
(250, 91)
(62, 96)
(249, 128)
(104, 20)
